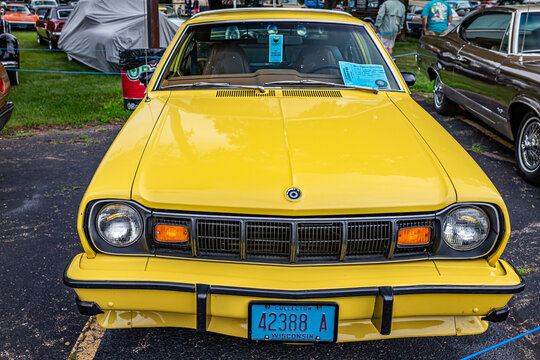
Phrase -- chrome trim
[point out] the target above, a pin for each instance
(10, 64)
(376, 41)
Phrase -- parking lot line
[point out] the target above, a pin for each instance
(487, 132)
(88, 341)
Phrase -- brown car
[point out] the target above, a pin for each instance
(5, 107)
(490, 65)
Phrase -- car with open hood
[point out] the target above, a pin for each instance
(279, 183)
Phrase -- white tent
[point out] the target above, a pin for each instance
(98, 29)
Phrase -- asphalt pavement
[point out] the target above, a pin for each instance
(42, 180)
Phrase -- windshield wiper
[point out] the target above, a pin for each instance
(315, 82)
(227, 85)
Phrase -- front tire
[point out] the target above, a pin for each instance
(443, 105)
(40, 40)
(528, 148)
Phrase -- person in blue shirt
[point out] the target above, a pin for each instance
(436, 16)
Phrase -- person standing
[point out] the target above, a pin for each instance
(390, 22)
(436, 17)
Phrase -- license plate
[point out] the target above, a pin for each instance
(293, 321)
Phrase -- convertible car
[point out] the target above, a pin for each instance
(490, 65)
(279, 183)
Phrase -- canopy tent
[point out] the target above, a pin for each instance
(98, 30)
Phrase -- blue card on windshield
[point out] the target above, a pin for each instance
(276, 48)
(363, 75)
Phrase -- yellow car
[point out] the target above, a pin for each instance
(279, 183)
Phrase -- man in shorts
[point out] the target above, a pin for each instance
(390, 22)
(436, 16)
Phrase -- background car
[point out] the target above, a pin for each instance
(9, 51)
(6, 108)
(19, 16)
(49, 28)
(490, 65)
(40, 12)
(413, 22)
(33, 5)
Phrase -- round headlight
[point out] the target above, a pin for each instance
(465, 228)
(119, 224)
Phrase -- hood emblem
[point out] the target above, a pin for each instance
(293, 194)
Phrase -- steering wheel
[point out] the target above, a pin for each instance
(323, 67)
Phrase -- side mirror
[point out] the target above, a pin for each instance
(410, 78)
(145, 77)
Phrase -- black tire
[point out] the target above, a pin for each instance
(13, 77)
(443, 105)
(40, 40)
(52, 44)
(528, 148)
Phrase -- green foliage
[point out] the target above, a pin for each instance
(526, 270)
(49, 99)
(408, 63)
(476, 147)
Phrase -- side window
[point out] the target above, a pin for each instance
(487, 30)
(48, 14)
(529, 33)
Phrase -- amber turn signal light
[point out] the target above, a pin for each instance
(171, 233)
(414, 236)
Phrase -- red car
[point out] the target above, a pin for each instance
(50, 27)
(6, 107)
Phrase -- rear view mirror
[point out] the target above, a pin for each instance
(410, 78)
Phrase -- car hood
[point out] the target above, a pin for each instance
(348, 155)
(13, 16)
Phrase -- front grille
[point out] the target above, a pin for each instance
(218, 237)
(319, 240)
(268, 239)
(284, 240)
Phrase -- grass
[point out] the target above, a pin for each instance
(73, 100)
(476, 147)
(408, 63)
(49, 99)
(526, 270)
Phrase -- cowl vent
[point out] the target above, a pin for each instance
(312, 93)
(245, 93)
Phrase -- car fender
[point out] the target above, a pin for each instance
(525, 100)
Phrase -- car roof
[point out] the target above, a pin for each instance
(272, 13)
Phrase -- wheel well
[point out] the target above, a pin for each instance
(516, 112)
(432, 74)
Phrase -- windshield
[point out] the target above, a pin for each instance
(278, 54)
(19, 9)
(44, 2)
